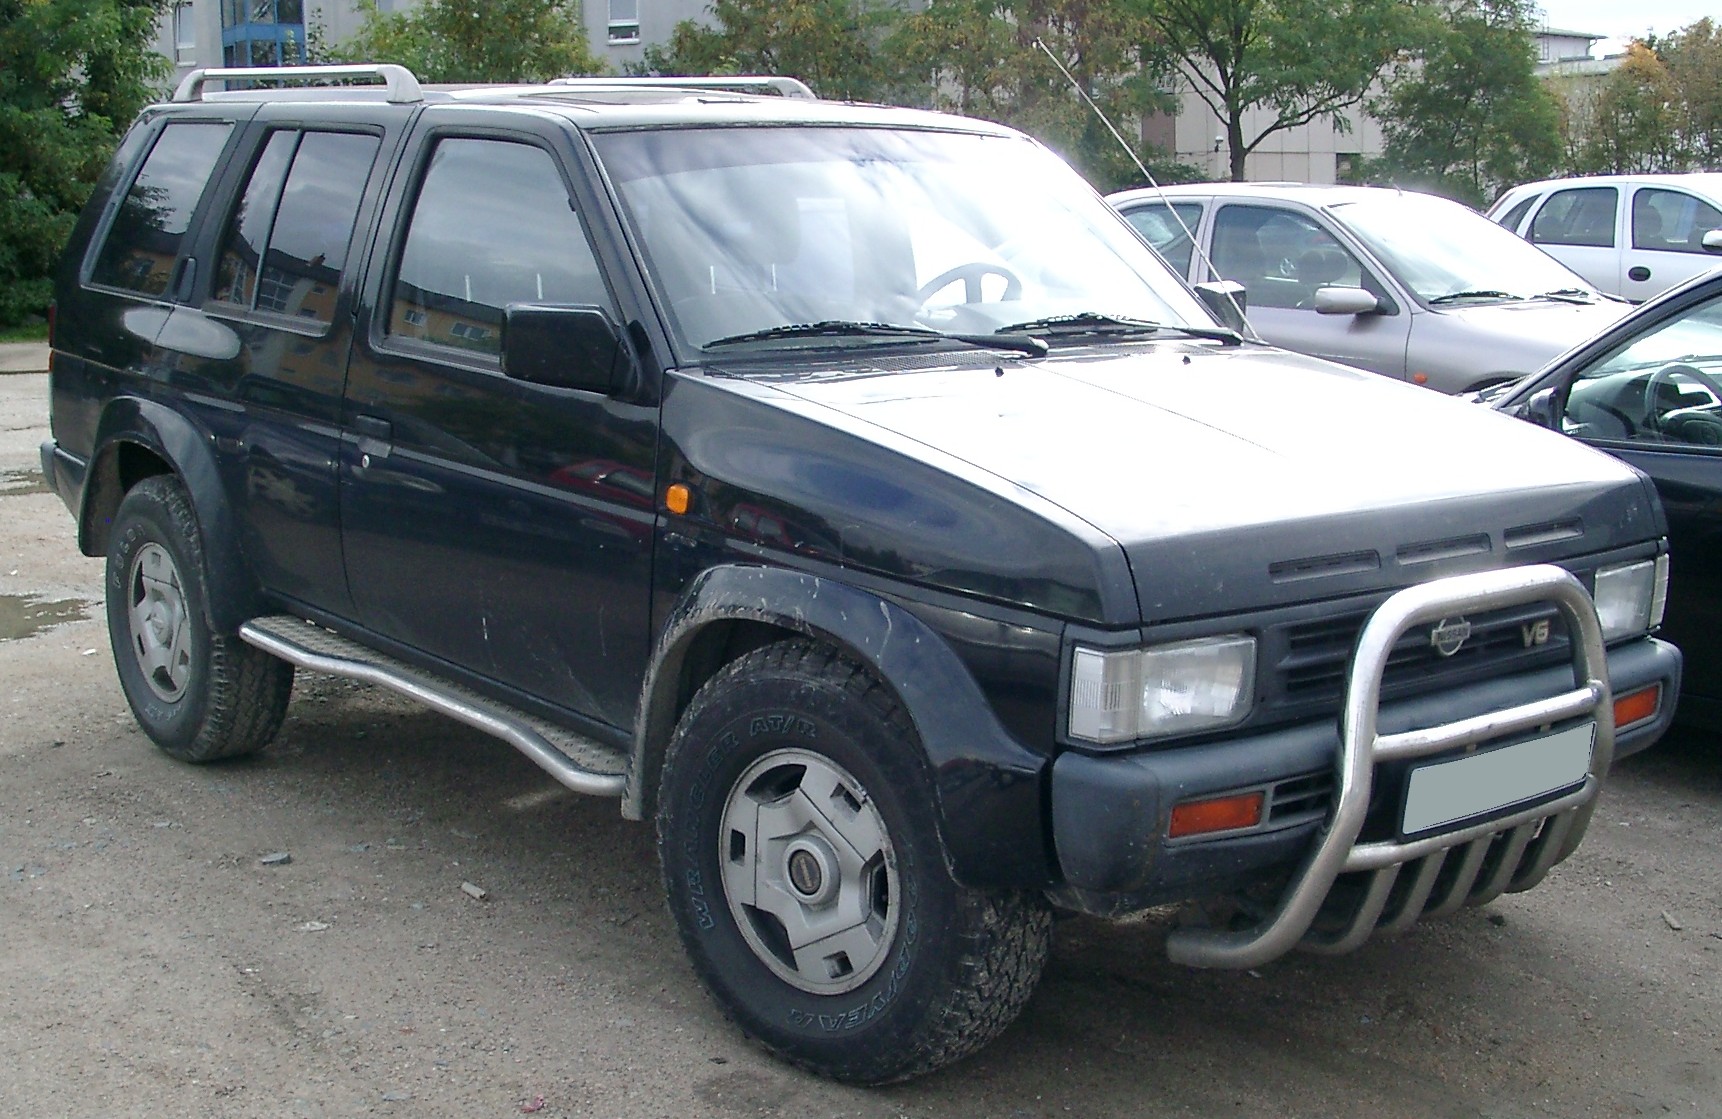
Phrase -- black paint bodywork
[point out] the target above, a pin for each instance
(955, 518)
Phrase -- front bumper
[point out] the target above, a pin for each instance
(1339, 786)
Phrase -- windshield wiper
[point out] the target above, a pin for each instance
(844, 328)
(1096, 322)
(1477, 293)
(1567, 295)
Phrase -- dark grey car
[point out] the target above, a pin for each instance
(1407, 285)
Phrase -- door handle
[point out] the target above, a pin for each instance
(1638, 272)
(376, 437)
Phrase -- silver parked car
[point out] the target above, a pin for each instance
(1631, 235)
(1407, 285)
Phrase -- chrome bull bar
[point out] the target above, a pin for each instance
(1554, 827)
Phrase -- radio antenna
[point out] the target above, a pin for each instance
(1142, 167)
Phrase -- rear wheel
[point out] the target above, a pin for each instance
(198, 695)
(806, 875)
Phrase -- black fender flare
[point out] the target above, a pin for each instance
(233, 592)
(989, 786)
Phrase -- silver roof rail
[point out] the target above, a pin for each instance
(740, 83)
(402, 86)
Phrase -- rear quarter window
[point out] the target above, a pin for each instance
(144, 237)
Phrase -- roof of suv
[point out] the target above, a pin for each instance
(586, 102)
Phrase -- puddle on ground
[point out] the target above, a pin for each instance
(26, 615)
(15, 482)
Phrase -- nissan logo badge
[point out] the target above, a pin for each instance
(1449, 634)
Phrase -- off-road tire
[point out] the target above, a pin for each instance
(219, 698)
(960, 964)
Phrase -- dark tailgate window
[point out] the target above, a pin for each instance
(306, 223)
(143, 241)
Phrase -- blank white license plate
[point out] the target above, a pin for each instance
(1444, 793)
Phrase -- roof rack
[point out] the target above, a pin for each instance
(738, 83)
(401, 85)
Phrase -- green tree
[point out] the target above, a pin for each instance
(1290, 61)
(73, 74)
(832, 45)
(462, 41)
(1469, 116)
(983, 58)
(1693, 57)
(1628, 123)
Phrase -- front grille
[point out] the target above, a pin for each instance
(1313, 657)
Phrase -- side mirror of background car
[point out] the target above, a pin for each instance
(1540, 409)
(1713, 241)
(1228, 302)
(563, 347)
(1345, 301)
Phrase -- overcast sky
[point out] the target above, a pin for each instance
(1620, 20)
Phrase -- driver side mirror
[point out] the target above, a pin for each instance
(563, 347)
(1226, 301)
(1713, 241)
(1540, 409)
(1345, 301)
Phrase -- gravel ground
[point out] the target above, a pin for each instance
(158, 962)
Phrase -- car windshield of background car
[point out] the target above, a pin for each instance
(1439, 248)
(750, 229)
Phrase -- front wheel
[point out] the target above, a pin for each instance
(806, 875)
(199, 695)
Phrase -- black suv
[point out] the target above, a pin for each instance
(850, 492)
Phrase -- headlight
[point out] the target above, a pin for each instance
(1630, 597)
(1120, 695)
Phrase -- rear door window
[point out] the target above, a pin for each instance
(287, 242)
(1582, 216)
(144, 238)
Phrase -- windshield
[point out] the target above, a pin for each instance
(749, 229)
(1440, 249)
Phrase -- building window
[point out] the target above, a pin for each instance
(263, 32)
(184, 35)
(624, 22)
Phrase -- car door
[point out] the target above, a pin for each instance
(1666, 244)
(1282, 257)
(1580, 227)
(501, 527)
(263, 351)
(1655, 400)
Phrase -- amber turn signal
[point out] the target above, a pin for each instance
(1229, 813)
(1635, 707)
(678, 498)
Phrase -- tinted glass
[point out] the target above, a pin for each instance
(304, 215)
(248, 230)
(1584, 216)
(1165, 228)
(1279, 256)
(144, 239)
(308, 245)
(493, 225)
(1671, 221)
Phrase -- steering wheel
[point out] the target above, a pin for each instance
(971, 275)
(1653, 390)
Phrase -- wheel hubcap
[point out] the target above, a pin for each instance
(160, 623)
(809, 872)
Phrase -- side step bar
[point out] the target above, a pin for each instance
(582, 764)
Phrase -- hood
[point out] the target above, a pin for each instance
(1518, 337)
(1245, 477)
